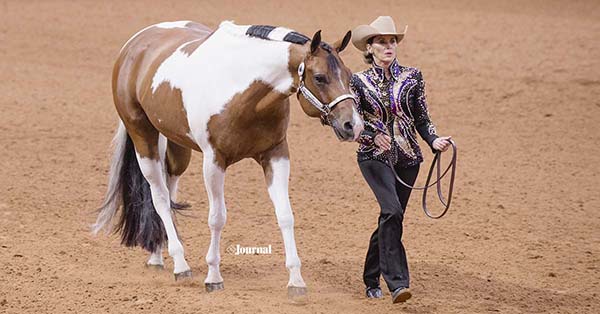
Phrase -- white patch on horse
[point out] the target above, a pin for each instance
(234, 29)
(223, 66)
(162, 148)
(176, 24)
(279, 33)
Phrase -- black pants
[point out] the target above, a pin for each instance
(386, 255)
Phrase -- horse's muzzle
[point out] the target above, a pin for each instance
(348, 130)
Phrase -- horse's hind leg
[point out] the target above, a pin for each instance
(178, 159)
(152, 165)
(156, 259)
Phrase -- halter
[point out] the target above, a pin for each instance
(325, 109)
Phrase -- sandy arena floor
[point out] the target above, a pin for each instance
(516, 83)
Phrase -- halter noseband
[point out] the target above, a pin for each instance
(325, 109)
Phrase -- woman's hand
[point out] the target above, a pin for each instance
(383, 141)
(441, 143)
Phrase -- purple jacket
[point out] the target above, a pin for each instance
(395, 107)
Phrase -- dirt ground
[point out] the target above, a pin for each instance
(516, 83)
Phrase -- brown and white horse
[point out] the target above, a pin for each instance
(179, 86)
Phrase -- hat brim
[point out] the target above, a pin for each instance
(362, 33)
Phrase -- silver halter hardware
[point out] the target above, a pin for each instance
(325, 109)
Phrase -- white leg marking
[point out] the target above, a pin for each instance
(278, 191)
(156, 257)
(173, 184)
(214, 180)
(154, 172)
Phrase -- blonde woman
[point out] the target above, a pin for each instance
(391, 100)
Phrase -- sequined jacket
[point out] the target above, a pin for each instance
(396, 107)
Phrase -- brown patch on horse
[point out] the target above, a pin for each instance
(178, 158)
(255, 129)
(190, 47)
(166, 112)
(142, 132)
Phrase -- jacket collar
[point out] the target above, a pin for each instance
(380, 71)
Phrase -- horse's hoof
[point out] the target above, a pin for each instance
(157, 267)
(183, 275)
(214, 286)
(298, 295)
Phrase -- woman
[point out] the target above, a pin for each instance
(392, 103)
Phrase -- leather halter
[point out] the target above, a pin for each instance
(437, 160)
(325, 109)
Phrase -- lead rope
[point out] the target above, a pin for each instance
(437, 160)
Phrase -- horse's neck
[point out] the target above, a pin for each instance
(270, 61)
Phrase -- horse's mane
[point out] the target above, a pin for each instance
(266, 32)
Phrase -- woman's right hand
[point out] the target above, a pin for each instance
(383, 141)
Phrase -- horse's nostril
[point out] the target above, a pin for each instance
(348, 126)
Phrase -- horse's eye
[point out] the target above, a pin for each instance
(320, 79)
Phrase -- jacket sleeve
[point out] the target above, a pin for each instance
(367, 136)
(418, 106)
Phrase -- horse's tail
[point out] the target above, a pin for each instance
(139, 223)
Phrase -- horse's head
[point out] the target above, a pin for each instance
(324, 88)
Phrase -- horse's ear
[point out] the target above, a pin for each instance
(316, 41)
(340, 46)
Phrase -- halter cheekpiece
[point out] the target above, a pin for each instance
(325, 109)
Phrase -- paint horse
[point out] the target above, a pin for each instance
(179, 86)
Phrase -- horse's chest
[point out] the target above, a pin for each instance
(241, 132)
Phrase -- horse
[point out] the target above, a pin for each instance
(181, 86)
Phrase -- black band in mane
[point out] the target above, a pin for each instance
(296, 38)
(263, 32)
(260, 31)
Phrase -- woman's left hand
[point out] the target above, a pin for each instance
(441, 143)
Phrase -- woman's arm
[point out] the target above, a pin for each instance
(418, 104)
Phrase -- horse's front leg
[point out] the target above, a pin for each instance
(214, 180)
(276, 166)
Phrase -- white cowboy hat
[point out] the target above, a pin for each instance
(383, 25)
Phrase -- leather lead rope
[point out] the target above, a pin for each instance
(437, 160)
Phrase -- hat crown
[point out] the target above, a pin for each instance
(384, 24)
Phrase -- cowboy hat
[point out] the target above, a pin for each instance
(383, 25)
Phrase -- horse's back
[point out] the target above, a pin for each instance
(145, 50)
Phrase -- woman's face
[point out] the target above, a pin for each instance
(383, 49)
